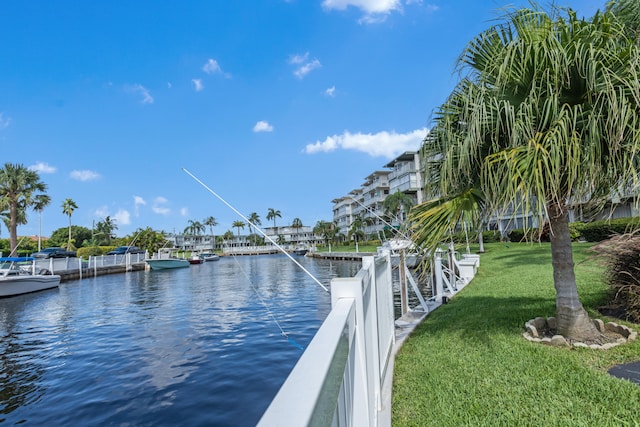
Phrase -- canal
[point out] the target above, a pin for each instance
(198, 346)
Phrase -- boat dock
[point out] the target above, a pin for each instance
(343, 256)
(80, 273)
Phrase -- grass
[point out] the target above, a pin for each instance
(467, 364)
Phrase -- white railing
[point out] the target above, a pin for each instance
(338, 381)
(73, 264)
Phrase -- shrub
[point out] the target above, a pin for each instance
(491, 236)
(621, 257)
(598, 231)
(90, 251)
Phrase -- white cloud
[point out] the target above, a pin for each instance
(42, 167)
(211, 67)
(85, 175)
(298, 59)
(304, 65)
(382, 144)
(331, 91)
(143, 91)
(4, 122)
(374, 10)
(263, 126)
(158, 206)
(137, 202)
(197, 84)
(306, 68)
(122, 217)
(368, 6)
(184, 211)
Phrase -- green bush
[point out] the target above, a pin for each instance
(91, 251)
(598, 231)
(491, 236)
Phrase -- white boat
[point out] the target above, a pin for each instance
(210, 256)
(411, 257)
(196, 259)
(18, 278)
(300, 250)
(164, 260)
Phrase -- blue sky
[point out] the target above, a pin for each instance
(271, 103)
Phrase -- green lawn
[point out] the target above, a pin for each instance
(468, 364)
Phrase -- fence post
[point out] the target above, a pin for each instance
(352, 288)
(438, 273)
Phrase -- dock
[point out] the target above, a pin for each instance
(341, 256)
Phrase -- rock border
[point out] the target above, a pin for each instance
(535, 326)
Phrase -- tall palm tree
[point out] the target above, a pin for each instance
(211, 222)
(238, 224)
(68, 206)
(356, 230)
(272, 214)
(546, 118)
(327, 230)
(297, 225)
(19, 189)
(396, 204)
(194, 228)
(105, 228)
(40, 202)
(254, 220)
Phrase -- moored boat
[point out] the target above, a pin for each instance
(164, 260)
(195, 259)
(300, 250)
(210, 256)
(16, 278)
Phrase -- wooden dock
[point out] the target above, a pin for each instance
(75, 274)
(344, 256)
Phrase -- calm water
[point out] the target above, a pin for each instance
(196, 346)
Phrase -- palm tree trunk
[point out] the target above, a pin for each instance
(572, 320)
(13, 229)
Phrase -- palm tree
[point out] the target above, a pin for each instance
(628, 11)
(396, 204)
(68, 206)
(19, 189)
(547, 118)
(195, 228)
(272, 214)
(254, 220)
(327, 230)
(228, 235)
(297, 225)
(211, 222)
(106, 228)
(356, 229)
(40, 202)
(238, 224)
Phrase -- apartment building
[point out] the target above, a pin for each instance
(367, 201)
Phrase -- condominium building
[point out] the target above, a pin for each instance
(367, 201)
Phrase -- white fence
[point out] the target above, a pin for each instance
(338, 381)
(58, 265)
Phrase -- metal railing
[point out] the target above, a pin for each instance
(338, 381)
(57, 265)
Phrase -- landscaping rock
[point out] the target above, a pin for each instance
(559, 341)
